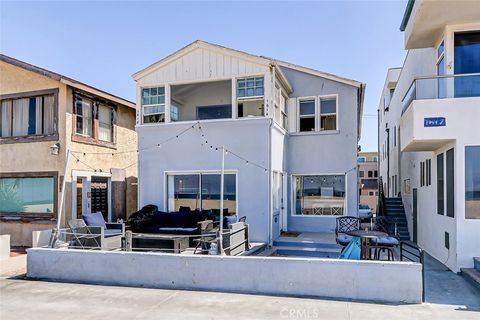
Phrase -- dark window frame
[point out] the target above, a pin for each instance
(94, 139)
(39, 174)
(440, 184)
(34, 137)
(450, 182)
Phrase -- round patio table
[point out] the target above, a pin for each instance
(365, 236)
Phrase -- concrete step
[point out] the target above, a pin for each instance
(307, 252)
(476, 263)
(472, 276)
(305, 244)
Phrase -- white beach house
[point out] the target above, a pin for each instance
(429, 133)
(290, 135)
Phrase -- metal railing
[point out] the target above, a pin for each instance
(381, 198)
(442, 87)
(409, 251)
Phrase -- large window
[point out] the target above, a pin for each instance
(467, 60)
(201, 191)
(94, 120)
(28, 195)
(153, 105)
(27, 114)
(307, 115)
(472, 182)
(320, 195)
(250, 87)
(328, 114)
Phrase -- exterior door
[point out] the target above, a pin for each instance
(91, 193)
(415, 215)
(277, 199)
(99, 196)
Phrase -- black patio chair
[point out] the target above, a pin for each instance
(384, 244)
(344, 225)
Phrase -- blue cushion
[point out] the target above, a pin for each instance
(387, 241)
(111, 232)
(344, 239)
(94, 219)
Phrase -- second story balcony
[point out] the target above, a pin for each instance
(442, 87)
(438, 110)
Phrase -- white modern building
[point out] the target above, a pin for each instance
(290, 135)
(429, 132)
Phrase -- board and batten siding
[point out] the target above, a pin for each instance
(202, 64)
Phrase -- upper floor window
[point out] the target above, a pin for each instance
(250, 87)
(84, 116)
(28, 114)
(94, 120)
(307, 115)
(153, 105)
(328, 113)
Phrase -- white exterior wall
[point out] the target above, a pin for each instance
(461, 116)
(258, 139)
(201, 64)
(189, 153)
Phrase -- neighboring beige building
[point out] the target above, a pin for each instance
(42, 112)
(368, 178)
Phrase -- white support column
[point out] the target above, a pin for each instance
(234, 99)
(168, 103)
(87, 192)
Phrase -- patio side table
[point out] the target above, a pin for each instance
(366, 236)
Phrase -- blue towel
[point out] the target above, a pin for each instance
(353, 250)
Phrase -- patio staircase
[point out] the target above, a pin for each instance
(395, 212)
(472, 275)
(304, 247)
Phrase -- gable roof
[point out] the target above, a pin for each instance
(66, 80)
(244, 55)
(213, 47)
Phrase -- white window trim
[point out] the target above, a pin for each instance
(330, 96)
(293, 207)
(318, 114)
(142, 106)
(190, 172)
(259, 75)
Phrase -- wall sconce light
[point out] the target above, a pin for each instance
(55, 148)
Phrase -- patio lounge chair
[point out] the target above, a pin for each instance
(93, 232)
(344, 225)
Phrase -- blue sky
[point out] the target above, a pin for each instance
(103, 43)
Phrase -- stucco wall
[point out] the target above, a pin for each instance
(347, 279)
(37, 157)
(324, 152)
(189, 153)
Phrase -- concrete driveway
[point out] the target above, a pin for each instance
(24, 299)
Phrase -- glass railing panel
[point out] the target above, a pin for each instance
(442, 87)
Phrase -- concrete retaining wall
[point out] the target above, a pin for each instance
(359, 280)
